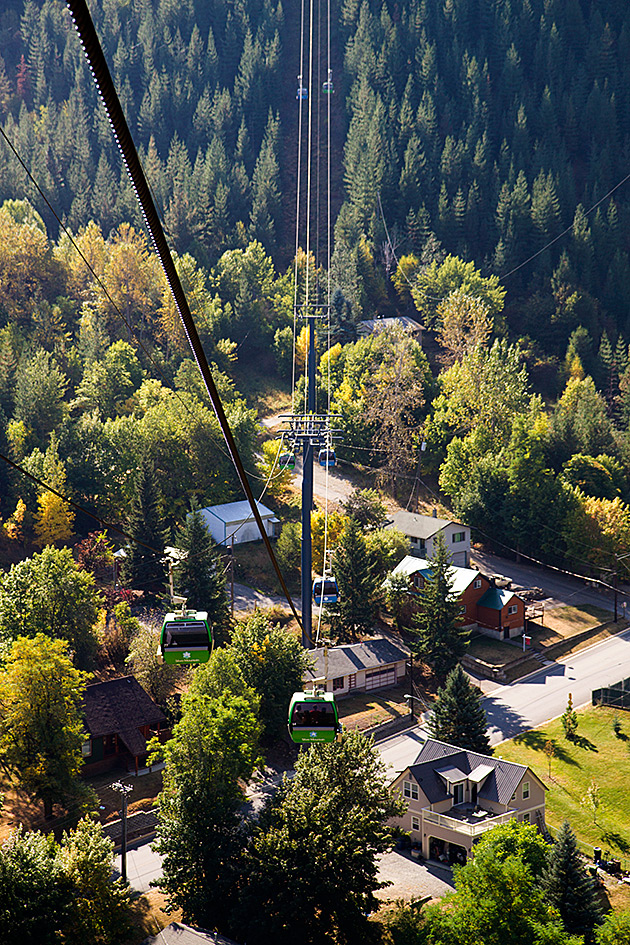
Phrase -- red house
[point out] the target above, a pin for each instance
(495, 612)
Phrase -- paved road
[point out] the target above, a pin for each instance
(543, 695)
(559, 588)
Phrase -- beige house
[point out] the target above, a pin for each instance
(373, 664)
(454, 796)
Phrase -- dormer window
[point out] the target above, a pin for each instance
(458, 793)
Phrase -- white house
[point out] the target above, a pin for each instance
(234, 523)
(422, 530)
(373, 664)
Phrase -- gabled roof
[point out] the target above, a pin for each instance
(234, 511)
(419, 526)
(461, 578)
(495, 598)
(497, 784)
(348, 659)
(121, 707)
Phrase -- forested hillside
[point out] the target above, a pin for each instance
(488, 127)
(199, 84)
(479, 155)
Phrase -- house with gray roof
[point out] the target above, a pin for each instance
(422, 531)
(373, 664)
(119, 717)
(371, 326)
(454, 795)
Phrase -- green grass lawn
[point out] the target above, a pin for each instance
(596, 755)
(492, 651)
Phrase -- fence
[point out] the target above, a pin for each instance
(617, 695)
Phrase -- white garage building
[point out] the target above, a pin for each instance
(234, 522)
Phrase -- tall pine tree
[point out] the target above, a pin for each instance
(143, 568)
(458, 716)
(440, 637)
(355, 609)
(200, 577)
(569, 888)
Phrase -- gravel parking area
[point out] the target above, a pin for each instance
(411, 879)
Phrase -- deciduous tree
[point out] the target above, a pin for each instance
(36, 891)
(273, 663)
(49, 594)
(41, 730)
(310, 871)
(100, 905)
(213, 750)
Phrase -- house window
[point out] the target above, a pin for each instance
(410, 789)
(458, 794)
(462, 609)
(352, 681)
(477, 583)
(458, 536)
(338, 682)
(526, 817)
(86, 748)
(418, 581)
(415, 823)
(525, 790)
(513, 609)
(413, 539)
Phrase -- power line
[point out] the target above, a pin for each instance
(102, 77)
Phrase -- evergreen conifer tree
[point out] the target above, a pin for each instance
(355, 609)
(201, 576)
(569, 888)
(458, 716)
(143, 566)
(440, 638)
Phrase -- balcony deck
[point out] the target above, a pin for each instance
(467, 819)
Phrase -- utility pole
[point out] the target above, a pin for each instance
(123, 789)
(308, 431)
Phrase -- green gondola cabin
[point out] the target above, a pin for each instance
(313, 718)
(186, 638)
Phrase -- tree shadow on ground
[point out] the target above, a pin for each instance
(537, 740)
(614, 839)
(584, 743)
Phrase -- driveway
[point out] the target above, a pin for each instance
(410, 879)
